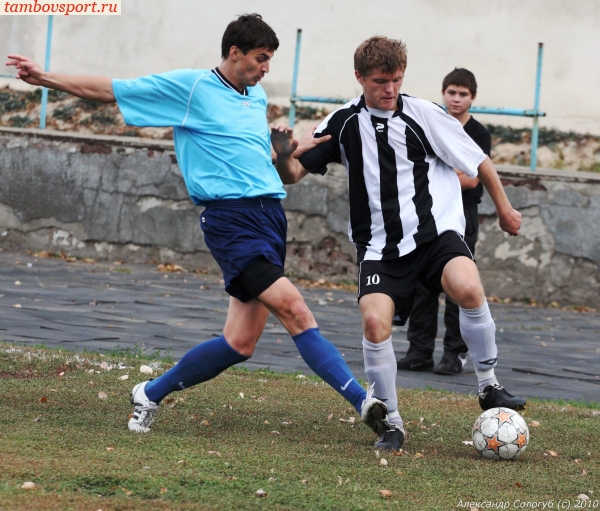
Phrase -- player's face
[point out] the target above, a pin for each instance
(251, 67)
(457, 99)
(381, 89)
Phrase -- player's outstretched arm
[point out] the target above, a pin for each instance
(288, 150)
(508, 217)
(97, 88)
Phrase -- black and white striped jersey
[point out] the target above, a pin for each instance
(403, 189)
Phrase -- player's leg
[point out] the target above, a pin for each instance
(460, 280)
(287, 304)
(377, 310)
(422, 331)
(245, 322)
(455, 349)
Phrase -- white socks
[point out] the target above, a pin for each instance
(381, 369)
(479, 333)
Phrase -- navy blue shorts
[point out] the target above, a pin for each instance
(239, 232)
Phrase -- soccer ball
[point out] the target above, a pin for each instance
(500, 434)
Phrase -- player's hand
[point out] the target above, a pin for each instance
(510, 221)
(283, 140)
(27, 69)
(308, 142)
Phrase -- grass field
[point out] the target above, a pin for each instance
(63, 427)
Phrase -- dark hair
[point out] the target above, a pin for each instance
(462, 78)
(248, 32)
(388, 55)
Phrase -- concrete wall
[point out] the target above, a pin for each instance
(124, 198)
(497, 40)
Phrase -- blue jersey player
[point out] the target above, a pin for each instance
(223, 147)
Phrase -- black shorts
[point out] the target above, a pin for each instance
(397, 278)
(258, 277)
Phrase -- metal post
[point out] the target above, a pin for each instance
(295, 79)
(536, 107)
(46, 68)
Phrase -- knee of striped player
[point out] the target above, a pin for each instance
(376, 329)
(470, 295)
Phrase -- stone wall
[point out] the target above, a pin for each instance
(112, 198)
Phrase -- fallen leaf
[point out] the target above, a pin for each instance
(351, 420)
(180, 461)
(146, 370)
(279, 340)
(205, 422)
(419, 455)
(275, 433)
(468, 442)
(91, 371)
(271, 479)
(231, 478)
(163, 491)
(578, 461)
(28, 486)
(266, 422)
(102, 395)
(544, 344)
(330, 417)
(124, 377)
(60, 375)
(584, 472)
(17, 282)
(170, 402)
(214, 453)
(383, 462)
(261, 493)
(552, 453)
(304, 481)
(583, 496)
(399, 473)
(43, 399)
(110, 449)
(37, 419)
(91, 383)
(399, 452)
(386, 494)
(126, 491)
(241, 395)
(300, 376)
(17, 305)
(535, 424)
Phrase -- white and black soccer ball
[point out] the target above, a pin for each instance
(500, 434)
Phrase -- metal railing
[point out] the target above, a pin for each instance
(534, 112)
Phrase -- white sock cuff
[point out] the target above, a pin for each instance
(478, 316)
(372, 346)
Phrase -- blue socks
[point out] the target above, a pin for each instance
(210, 358)
(201, 363)
(325, 360)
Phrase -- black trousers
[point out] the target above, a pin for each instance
(423, 322)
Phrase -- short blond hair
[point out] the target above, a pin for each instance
(378, 52)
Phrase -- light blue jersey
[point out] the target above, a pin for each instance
(222, 139)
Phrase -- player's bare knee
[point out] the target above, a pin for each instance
(244, 344)
(301, 315)
(470, 296)
(375, 328)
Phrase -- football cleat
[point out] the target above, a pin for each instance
(415, 361)
(392, 439)
(451, 363)
(373, 412)
(144, 411)
(495, 396)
